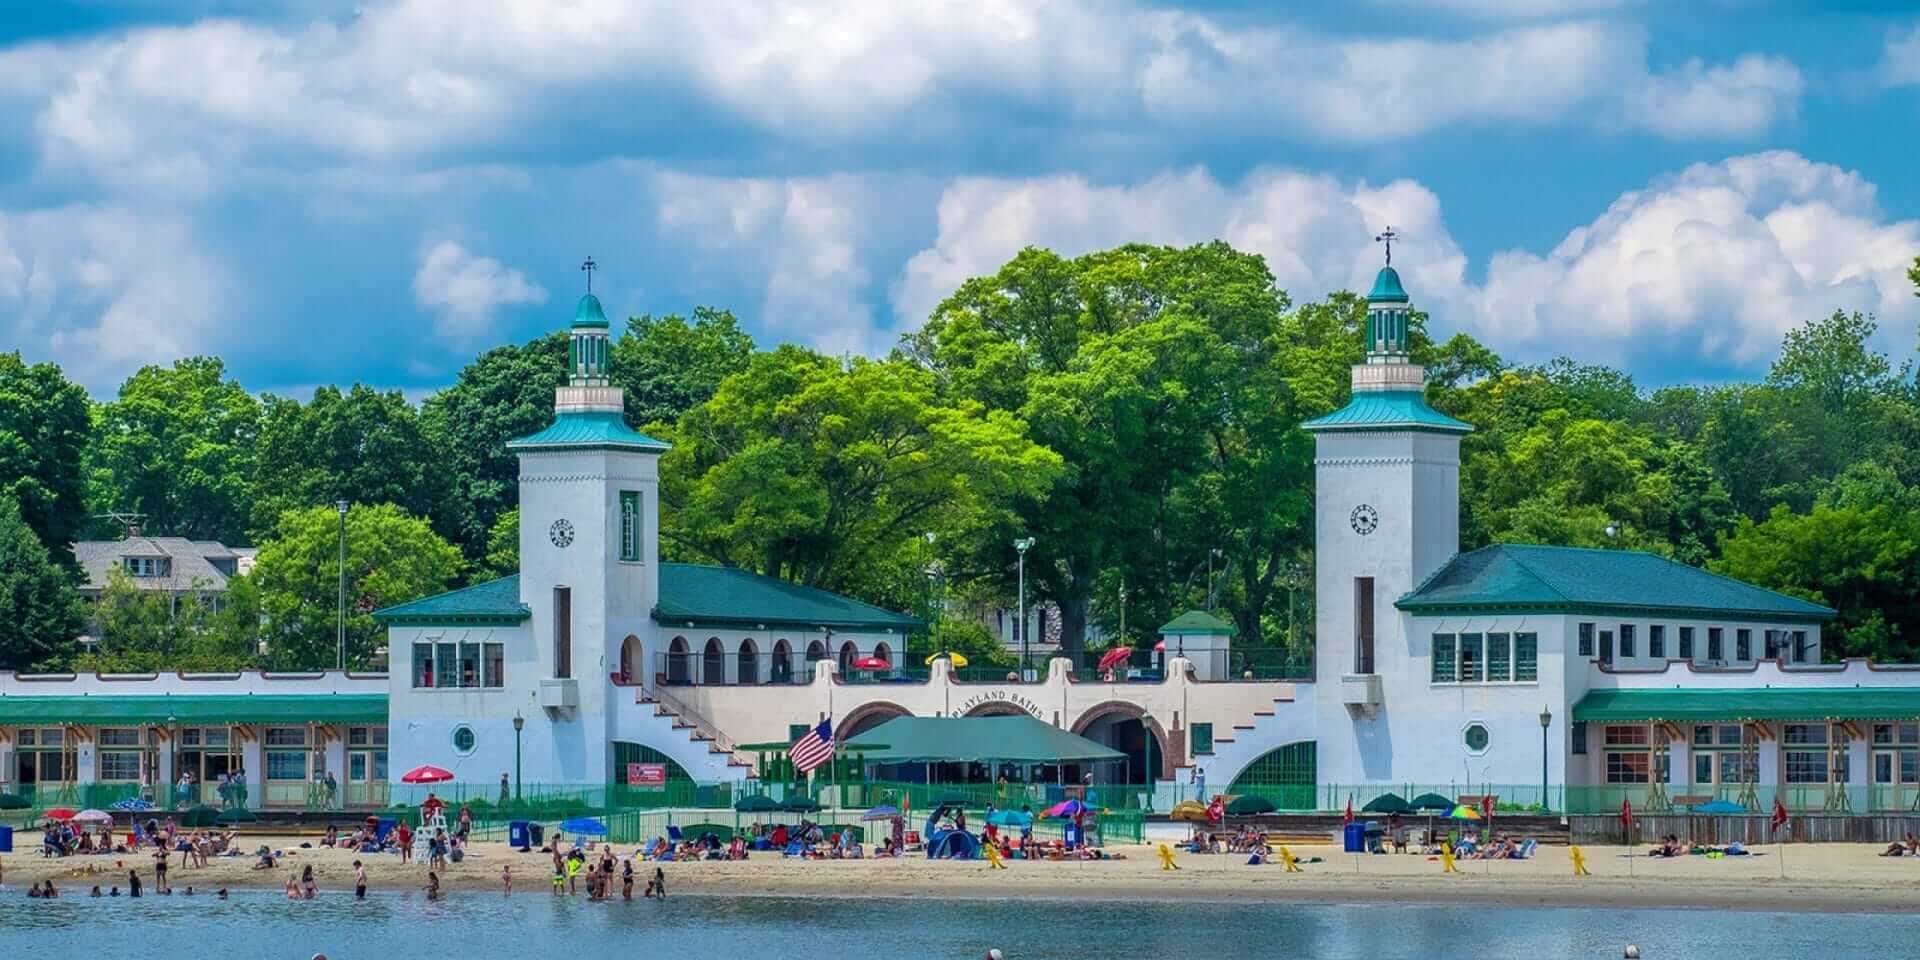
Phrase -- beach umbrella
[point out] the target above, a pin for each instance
(1465, 812)
(236, 815)
(1720, 808)
(959, 660)
(1431, 801)
(1066, 808)
(1249, 804)
(13, 801)
(585, 826)
(1009, 818)
(799, 805)
(132, 805)
(872, 663)
(1192, 811)
(954, 799)
(59, 813)
(1115, 657)
(1160, 647)
(758, 803)
(1387, 803)
(93, 816)
(881, 812)
(427, 773)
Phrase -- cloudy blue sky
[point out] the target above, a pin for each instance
(331, 191)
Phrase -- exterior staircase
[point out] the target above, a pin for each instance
(1287, 722)
(700, 732)
(662, 723)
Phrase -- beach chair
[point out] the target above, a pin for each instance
(1525, 851)
(912, 840)
(674, 834)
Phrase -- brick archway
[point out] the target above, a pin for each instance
(996, 708)
(882, 710)
(1131, 711)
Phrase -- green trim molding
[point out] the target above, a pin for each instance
(493, 603)
(190, 709)
(1749, 703)
(1395, 410)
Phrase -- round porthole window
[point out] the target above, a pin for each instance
(463, 739)
(1475, 737)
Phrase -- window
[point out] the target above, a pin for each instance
(494, 666)
(469, 664)
(1799, 646)
(446, 672)
(1579, 733)
(1363, 624)
(1657, 641)
(1203, 738)
(1731, 734)
(1499, 656)
(422, 665)
(1471, 663)
(1771, 643)
(1686, 643)
(119, 737)
(1703, 768)
(1606, 647)
(1806, 766)
(1626, 639)
(631, 546)
(1475, 737)
(1804, 733)
(1743, 644)
(1628, 767)
(1443, 671)
(1627, 736)
(562, 632)
(1703, 736)
(1586, 639)
(286, 764)
(1716, 647)
(119, 765)
(286, 737)
(1526, 657)
(463, 739)
(148, 566)
(1735, 769)
(797, 730)
(366, 736)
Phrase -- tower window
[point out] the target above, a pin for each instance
(631, 548)
(562, 632)
(1743, 644)
(1443, 669)
(1657, 641)
(1626, 639)
(1363, 624)
(1716, 645)
(1686, 643)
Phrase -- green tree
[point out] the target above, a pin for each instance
(503, 544)
(44, 422)
(392, 557)
(968, 638)
(505, 393)
(1862, 561)
(142, 631)
(177, 445)
(364, 446)
(669, 365)
(39, 609)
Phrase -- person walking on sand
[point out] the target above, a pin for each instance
(503, 789)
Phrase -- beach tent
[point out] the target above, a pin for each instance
(881, 812)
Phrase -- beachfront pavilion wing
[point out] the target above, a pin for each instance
(995, 741)
(1829, 749)
(92, 748)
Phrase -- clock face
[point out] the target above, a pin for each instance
(1364, 519)
(561, 533)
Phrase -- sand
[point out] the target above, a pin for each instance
(1825, 877)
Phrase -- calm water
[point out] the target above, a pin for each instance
(480, 927)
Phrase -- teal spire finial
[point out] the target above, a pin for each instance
(587, 350)
(1388, 309)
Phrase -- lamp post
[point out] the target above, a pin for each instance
(1546, 720)
(1021, 546)
(519, 724)
(342, 505)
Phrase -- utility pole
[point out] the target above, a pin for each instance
(1021, 546)
(342, 630)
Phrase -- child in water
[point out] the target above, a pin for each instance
(506, 880)
(433, 886)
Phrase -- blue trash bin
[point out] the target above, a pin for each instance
(1356, 838)
(517, 834)
(6, 839)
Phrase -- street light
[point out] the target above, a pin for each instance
(1021, 546)
(343, 505)
(1546, 720)
(519, 724)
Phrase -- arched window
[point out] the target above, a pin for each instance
(748, 670)
(713, 664)
(884, 652)
(630, 660)
(782, 662)
(679, 663)
(848, 654)
(1286, 775)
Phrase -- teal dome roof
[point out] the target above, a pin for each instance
(588, 313)
(1386, 288)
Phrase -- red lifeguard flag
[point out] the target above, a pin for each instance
(1779, 815)
(1348, 821)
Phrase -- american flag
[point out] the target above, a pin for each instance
(813, 749)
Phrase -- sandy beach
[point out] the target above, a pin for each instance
(1827, 877)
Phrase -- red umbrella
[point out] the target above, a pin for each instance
(60, 813)
(1160, 647)
(427, 774)
(871, 663)
(1115, 657)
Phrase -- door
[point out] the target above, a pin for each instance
(1606, 646)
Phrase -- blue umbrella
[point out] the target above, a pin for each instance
(881, 812)
(1719, 807)
(1010, 818)
(131, 803)
(586, 826)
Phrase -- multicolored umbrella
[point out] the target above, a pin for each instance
(959, 660)
(93, 816)
(1465, 812)
(132, 805)
(1066, 808)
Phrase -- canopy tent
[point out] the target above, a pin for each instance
(1015, 739)
(194, 709)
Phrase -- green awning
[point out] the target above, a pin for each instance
(1020, 739)
(1749, 703)
(192, 709)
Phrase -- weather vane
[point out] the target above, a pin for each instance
(1387, 236)
(589, 267)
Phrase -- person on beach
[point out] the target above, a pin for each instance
(307, 887)
(160, 871)
(506, 879)
(36, 892)
(660, 883)
(359, 880)
(133, 883)
(503, 789)
(626, 879)
(404, 837)
(433, 885)
(293, 889)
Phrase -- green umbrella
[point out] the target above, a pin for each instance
(13, 801)
(236, 815)
(954, 800)
(1432, 801)
(1387, 803)
(799, 805)
(1249, 804)
(758, 803)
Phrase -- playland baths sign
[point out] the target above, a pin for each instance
(997, 696)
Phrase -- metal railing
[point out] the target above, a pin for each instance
(731, 669)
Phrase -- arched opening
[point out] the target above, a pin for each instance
(867, 716)
(713, 663)
(885, 652)
(848, 654)
(630, 659)
(782, 662)
(748, 670)
(1287, 775)
(679, 663)
(633, 783)
(1128, 728)
(995, 709)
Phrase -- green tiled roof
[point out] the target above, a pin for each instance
(588, 313)
(1388, 410)
(727, 595)
(586, 431)
(1386, 287)
(1019, 738)
(1197, 622)
(496, 601)
(1569, 579)
(1749, 703)
(189, 709)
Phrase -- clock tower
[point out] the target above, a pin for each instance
(1387, 514)
(589, 558)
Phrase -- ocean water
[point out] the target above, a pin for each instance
(474, 926)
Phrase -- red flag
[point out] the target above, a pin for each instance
(1779, 815)
(1217, 810)
(1348, 819)
(1486, 806)
(1626, 813)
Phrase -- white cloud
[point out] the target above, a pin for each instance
(1900, 58)
(466, 290)
(1701, 271)
(103, 291)
(1740, 99)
